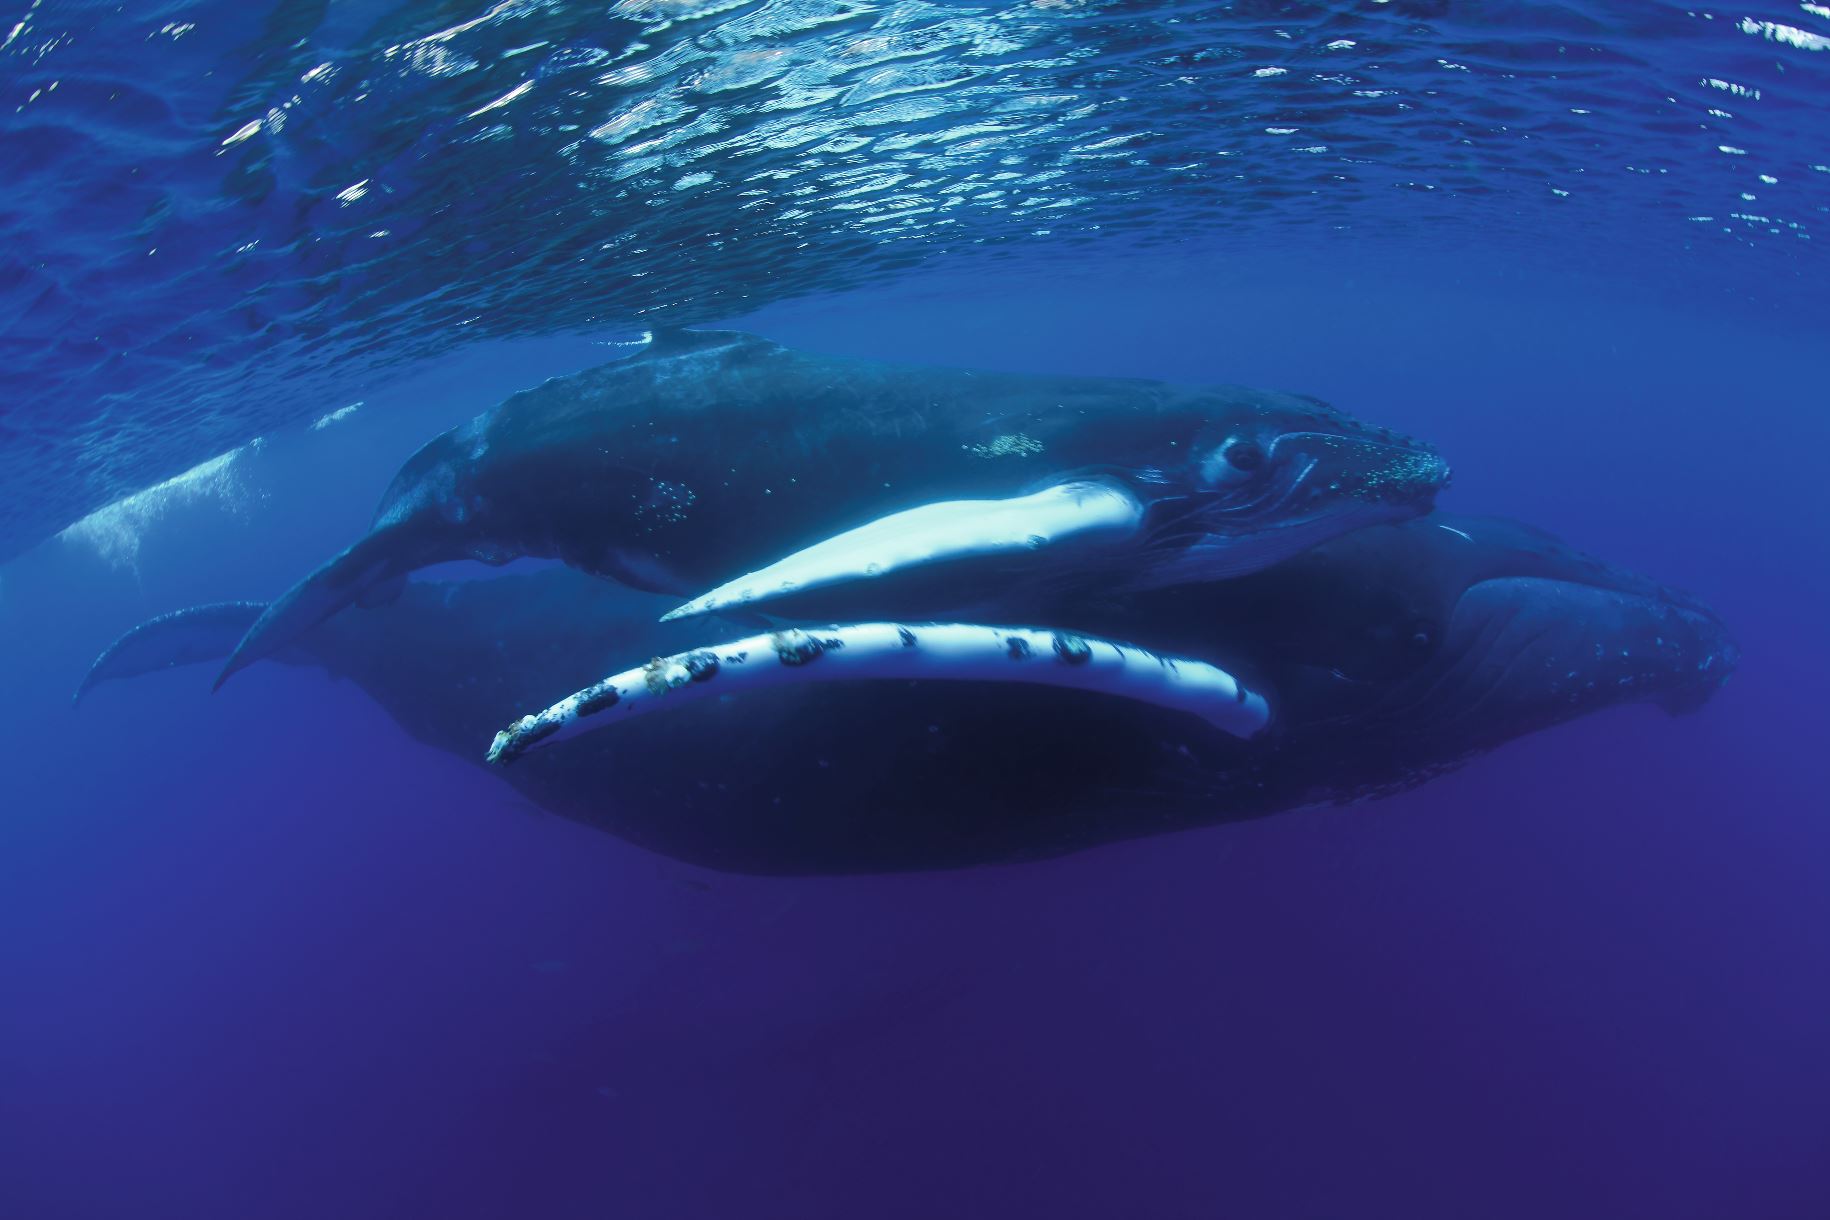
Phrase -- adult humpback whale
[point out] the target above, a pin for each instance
(1388, 656)
(712, 454)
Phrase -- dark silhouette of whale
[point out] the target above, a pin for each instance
(712, 455)
(1387, 656)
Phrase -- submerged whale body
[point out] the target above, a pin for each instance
(721, 465)
(1387, 656)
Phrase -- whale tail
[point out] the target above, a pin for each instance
(368, 572)
(186, 637)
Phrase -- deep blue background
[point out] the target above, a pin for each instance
(264, 956)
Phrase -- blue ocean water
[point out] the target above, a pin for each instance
(267, 955)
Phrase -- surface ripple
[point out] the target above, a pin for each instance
(215, 211)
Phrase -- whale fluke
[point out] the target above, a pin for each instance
(960, 652)
(184, 637)
(371, 570)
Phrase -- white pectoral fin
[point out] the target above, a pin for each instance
(936, 533)
(968, 652)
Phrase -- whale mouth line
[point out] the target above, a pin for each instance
(849, 652)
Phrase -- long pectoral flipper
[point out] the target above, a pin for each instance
(1081, 512)
(966, 652)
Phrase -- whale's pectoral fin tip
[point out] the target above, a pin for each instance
(710, 603)
(945, 531)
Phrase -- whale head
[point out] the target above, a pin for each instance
(1406, 648)
(1259, 487)
(1555, 637)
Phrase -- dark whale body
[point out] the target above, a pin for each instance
(1391, 654)
(712, 453)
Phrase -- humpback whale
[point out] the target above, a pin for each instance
(1384, 657)
(732, 474)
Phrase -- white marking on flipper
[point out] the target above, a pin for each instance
(933, 651)
(932, 533)
(1453, 530)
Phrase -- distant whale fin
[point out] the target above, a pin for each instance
(185, 637)
(969, 652)
(372, 563)
(935, 533)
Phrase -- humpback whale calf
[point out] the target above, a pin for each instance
(1384, 657)
(734, 473)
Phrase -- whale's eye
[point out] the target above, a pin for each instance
(1422, 636)
(1233, 463)
(1244, 456)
